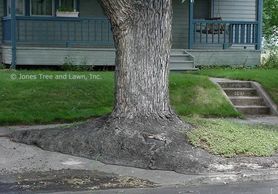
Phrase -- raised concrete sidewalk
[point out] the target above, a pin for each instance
(19, 158)
(6, 130)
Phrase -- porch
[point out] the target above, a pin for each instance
(193, 31)
(96, 32)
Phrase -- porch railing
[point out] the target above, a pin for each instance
(225, 33)
(60, 31)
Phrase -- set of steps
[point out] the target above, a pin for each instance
(180, 60)
(245, 97)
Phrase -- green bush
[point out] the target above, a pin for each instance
(270, 59)
(2, 66)
(71, 65)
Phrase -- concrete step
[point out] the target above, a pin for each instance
(184, 69)
(181, 57)
(235, 84)
(182, 65)
(240, 91)
(253, 110)
(181, 61)
(177, 51)
(247, 101)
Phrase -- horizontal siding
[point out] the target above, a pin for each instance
(231, 57)
(41, 56)
(57, 56)
(180, 24)
(243, 10)
(1, 15)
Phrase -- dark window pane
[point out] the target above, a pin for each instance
(41, 7)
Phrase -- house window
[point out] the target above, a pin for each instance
(19, 4)
(202, 9)
(41, 7)
(67, 5)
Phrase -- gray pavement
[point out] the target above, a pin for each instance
(243, 188)
(19, 158)
(6, 130)
(264, 120)
(267, 187)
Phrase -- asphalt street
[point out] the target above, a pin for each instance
(243, 188)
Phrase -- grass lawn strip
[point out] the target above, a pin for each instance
(229, 138)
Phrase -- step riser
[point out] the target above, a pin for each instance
(181, 65)
(241, 92)
(177, 52)
(248, 102)
(254, 111)
(236, 85)
(181, 58)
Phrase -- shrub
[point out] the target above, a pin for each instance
(2, 66)
(270, 56)
(71, 65)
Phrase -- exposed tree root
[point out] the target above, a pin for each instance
(144, 143)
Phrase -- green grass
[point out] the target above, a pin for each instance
(47, 101)
(267, 77)
(228, 138)
(196, 95)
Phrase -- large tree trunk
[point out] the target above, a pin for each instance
(142, 36)
(142, 130)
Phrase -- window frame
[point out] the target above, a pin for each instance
(52, 10)
(8, 8)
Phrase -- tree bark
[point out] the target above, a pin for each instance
(142, 36)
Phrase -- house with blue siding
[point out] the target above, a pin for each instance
(204, 32)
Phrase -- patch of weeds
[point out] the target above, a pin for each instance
(270, 56)
(70, 64)
(2, 66)
(229, 138)
(272, 60)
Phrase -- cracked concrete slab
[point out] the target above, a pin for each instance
(263, 120)
(7, 130)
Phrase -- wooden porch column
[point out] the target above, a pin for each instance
(260, 24)
(13, 33)
(190, 29)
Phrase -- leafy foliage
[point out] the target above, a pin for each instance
(270, 16)
(270, 56)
